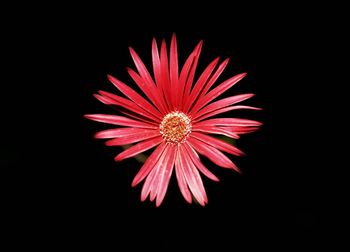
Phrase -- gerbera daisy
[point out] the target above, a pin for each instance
(175, 118)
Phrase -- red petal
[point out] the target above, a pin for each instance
(241, 130)
(200, 84)
(215, 76)
(156, 63)
(212, 153)
(181, 180)
(152, 179)
(149, 164)
(228, 122)
(112, 99)
(223, 110)
(135, 97)
(152, 91)
(193, 178)
(174, 70)
(222, 104)
(218, 144)
(138, 148)
(216, 130)
(192, 70)
(120, 120)
(165, 74)
(184, 75)
(121, 132)
(147, 79)
(166, 174)
(196, 161)
(133, 139)
(217, 91)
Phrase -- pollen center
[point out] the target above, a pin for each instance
(175, 127)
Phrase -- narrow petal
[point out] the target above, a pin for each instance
(146, 76)
(223, 110)
(168, 170)
(174, 70)
(156, 62)
(164, 64)
(218, 144)
(192, 70)
(197, 162)
(160, 173)
(215, 76)
(122, 132)
(200, 84)
(216, 130)
(217, 91)
(193, 179)
(152, 179)
(119, 120)
(149, 164)
(184, 87)
(135, 97)
(222, 104)
(151, 90)
(112, 99)
(228, 122)
(133, 138)
(212, 153)
(211, 81)
(181, 180)
(138, 148)
(242, 130)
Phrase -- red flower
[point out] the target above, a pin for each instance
(177, 119)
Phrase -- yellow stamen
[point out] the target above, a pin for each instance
(175, 127)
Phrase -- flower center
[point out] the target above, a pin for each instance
(175, 127)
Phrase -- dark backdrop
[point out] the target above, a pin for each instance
(74, 192)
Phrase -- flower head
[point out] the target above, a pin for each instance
(177, 118)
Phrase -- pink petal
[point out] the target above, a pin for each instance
(192, 70)
(215, 76)
(132, 139)
(149, 164)
(147, 79)
(200, 84)
(156, 64)
(165, 74)
(184, 75)
(193, 178)
(159, 175)
(181, 180)
(218, 144)
(174, 70)
(222, 104)
(242, 130)
(211, 81)
(212, 153)
(223, 110)
(112, 99)
(167, 171)
(196, 161)
(217, 91)
(151, 90)
(121, 132)
(146, 188)
(152, 179)
(138, 148)
(228, 122)
(119, 120)
(216, 130)
(135, 97)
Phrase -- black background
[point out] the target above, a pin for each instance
(74, 193)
